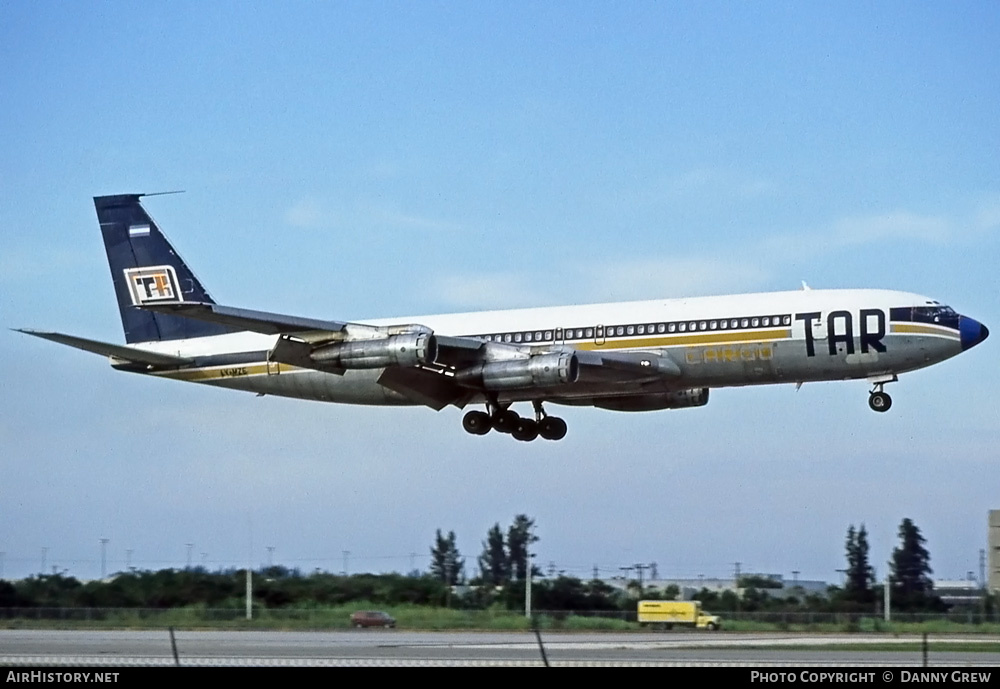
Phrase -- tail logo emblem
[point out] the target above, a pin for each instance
(153, 285)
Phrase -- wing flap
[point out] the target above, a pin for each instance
(429, 388)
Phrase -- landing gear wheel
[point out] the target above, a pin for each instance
(526, 430)
(552, 428)
(879, 401)
(504, 420)
(477, 423)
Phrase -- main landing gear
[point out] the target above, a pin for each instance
(503, 420)
(878, 400)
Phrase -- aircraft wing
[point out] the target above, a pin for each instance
(248, 319)
(129, 354)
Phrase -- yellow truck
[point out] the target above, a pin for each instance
(664, 614)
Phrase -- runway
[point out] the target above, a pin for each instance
(83, 648)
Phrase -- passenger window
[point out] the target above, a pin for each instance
(548, 334)
(683, 327)
(527, 337)
(642, 330)
(672, 327)
(630, 330)
(745, 322)
(507, 337)
(723, 325)
(538, 337)
(713, 325)
(755, 322)
(787, 320)
(517, 337)
(765, 321)
(590, 332)
(703, 326)
(621, 330)
(660, 328)
(692, 326)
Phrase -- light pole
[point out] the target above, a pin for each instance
(888, 592)
(527, 588)
(104, 559)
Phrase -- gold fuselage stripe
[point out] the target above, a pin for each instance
(914, 329)
(710, 338)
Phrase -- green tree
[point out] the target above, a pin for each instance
(859, 587)
(912, 588)
(519, 539)
(494, 564)
(446, 563)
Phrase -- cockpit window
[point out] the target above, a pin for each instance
(939, 315)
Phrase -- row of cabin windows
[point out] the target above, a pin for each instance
(642, 329)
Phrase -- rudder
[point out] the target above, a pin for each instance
(146, 269)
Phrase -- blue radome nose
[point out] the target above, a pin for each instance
(972, 332)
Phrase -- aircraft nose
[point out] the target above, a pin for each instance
(972, 332)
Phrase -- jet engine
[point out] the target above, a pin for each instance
(407, 349)
(540, 370)
(695, 397)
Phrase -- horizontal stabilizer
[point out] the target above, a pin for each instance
(138, 356)
(247, 319)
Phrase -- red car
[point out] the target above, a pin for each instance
(372, 618)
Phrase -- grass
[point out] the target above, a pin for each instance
(415, 617)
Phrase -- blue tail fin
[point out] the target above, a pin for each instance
(147, 270)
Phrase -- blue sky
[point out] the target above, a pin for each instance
(362, 160)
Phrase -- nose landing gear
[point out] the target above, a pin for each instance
(878, 400)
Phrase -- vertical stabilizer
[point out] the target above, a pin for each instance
(146, 269)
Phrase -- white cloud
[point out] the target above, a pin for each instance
(622, 280)
(851, 232)
(309, 213)
(487, 291)
(651, 278)
(988, 216)
(898, 225)
(313, 214)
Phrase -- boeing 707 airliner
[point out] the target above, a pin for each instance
(632, 356)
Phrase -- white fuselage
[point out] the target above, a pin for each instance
(720, 341)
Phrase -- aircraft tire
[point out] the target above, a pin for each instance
(505, 420)
(526, 430)
(477, 423)
(552, 428)
(879, 401)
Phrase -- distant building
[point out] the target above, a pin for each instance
(964, 593)
(993, 578)
(690, 587)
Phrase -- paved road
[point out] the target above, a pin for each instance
(390, 647)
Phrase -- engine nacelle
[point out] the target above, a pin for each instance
(408, 350)
(541, 370)
(695, 397)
